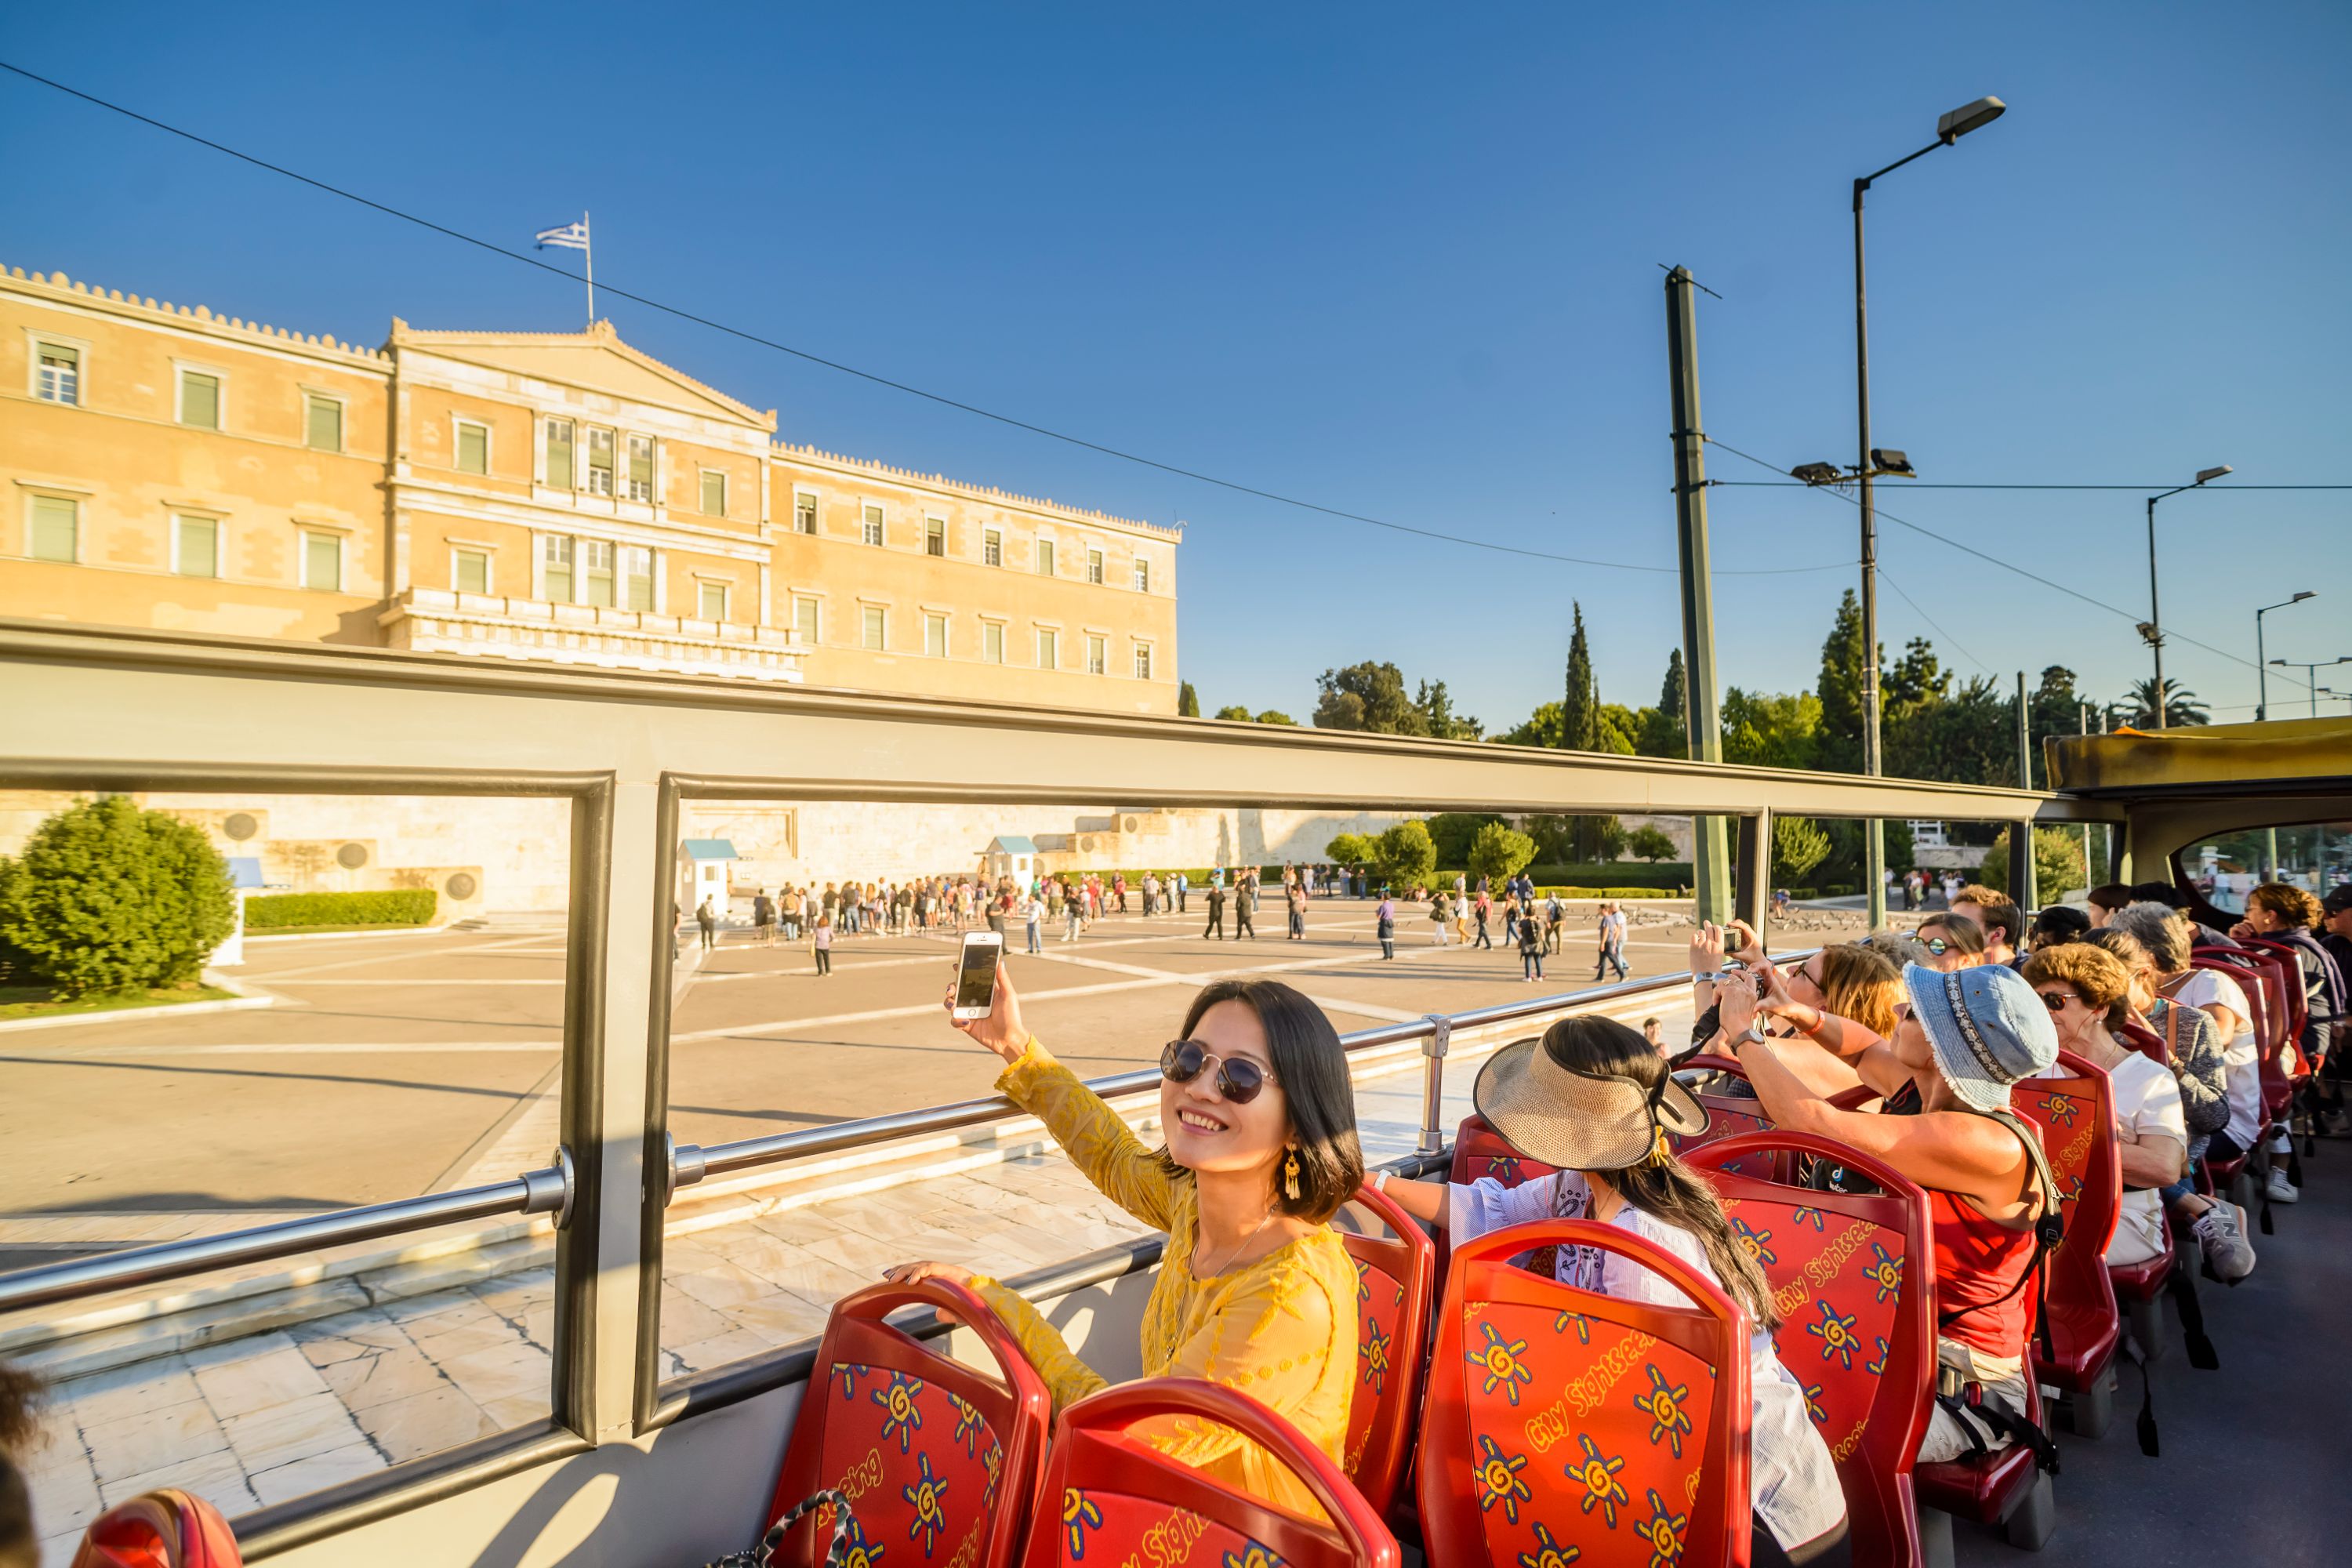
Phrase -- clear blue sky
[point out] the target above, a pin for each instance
(1393, 261)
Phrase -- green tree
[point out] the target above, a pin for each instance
(1540, 728)
(1589, 836)
(106, 897)
(1236, 711)
(2057, 863)
(1404, 855)
(1967, 737)
(2181, 708)
(1348, 849)
(1773, 730)
(1619, 725)
(1651, 843)
(1610, 839)
(1452, 833)
(1368, 696)
(1798, 845)
(1665, 729)
(1579, 708)
(1555, 837)
(1188, 702)
(1500, 853)
(1437, 713)
(1918, 680)
(1839, 689)
(1275, 716)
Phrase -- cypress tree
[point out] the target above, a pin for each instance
(1579, 708)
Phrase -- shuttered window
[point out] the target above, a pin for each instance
(869, 529)
(558, 454)
(1044, 558)
(597, 572)
(57, 374)
(877, 627)
(199, 400)
(473, 448)
(1094, 566)
(323, 562)
(991, 547)
(195, 546)
(935, 636)
(56, 528)
(805, 621)
(804, 512)
(323, 423)
(555, 562)
(1098, 655)
(641, 467)
(636, 577)
(992, 641)
(1049, 648)
(471, 569)
(713, 598)
(714, 493)
(600, 461)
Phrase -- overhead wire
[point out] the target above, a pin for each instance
(1923, 615)
(1013, 421)
(1923, 485)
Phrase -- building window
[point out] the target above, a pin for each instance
(636, 577)
(710, 601)
(714, 493)
(805, 624)
(195, 546)
(869, 528)
(1044, 558)
(641, 467)
(199, 400)
(1094, 566)
(1049, 648)
(600, 461)
(935, 636)
(322, 562)
(991, 547)
(1098, 655)
(322, 423)
(54, 529)
(57, 372)
(555, 563)
(1142, 575)
(804, 511)
(596, 570)
(469, 570)
(935, 536)
(992, 641)
(473, 448)
(558, 454)
(875, 631)
(1143, 661)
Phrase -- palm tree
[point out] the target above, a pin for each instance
(2138, 709)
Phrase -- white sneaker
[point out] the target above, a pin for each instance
(2227, 1251)
(2279, 1143)
(2281, 1190)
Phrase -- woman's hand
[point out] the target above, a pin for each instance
(1750, 944)
(1002, 1031)
(915, 1273)
(1776, 999)
(1736, 1008)
(1706, 949)
(2242, 929)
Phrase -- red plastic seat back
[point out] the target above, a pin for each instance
(1562, 1418)
(2242, 969)
(166, 1529)
(1394, 1276)
(1728, 1116)
(2075, 1114)
(1113, 1500)
(930, 1453)
(1479, 1152)
(1853, 1277)
(2290, 965)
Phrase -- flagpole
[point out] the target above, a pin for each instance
(589, 248)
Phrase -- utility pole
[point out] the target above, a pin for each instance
(1710, 848)
(2021, 845)
(2083, 718)
(1873, 848)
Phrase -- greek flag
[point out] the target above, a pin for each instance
(570, 236)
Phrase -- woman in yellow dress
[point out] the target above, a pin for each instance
(1255, 1289)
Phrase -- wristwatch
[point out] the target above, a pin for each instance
(1751, 1036)
(1380, 1181)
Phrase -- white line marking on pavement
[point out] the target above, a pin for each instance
(333, 1049)
(413, 980)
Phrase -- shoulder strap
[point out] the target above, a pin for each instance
(2049, 1230)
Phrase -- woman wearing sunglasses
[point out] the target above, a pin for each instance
(1256, 1290)
(1953, 941)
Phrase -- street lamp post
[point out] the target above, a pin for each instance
(2154, 630)
(2311, 674)
(1949, 130)
(2261, 666)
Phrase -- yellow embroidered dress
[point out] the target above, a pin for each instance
(1282, 1331)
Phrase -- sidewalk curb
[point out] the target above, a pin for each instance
(251, 939)
(248, 995)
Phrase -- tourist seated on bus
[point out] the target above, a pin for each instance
(2088, 995)
(2173, 897)
(2055, 925)
(2282, 912)
(1953, 941)
(2002, 921)
(1255, 1289)
(2169, 935)
(2105, 900)
(1594, 1101)
(1960, 1039)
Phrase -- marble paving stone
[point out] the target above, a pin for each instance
(452, 1310)
(799, 1225)
(803, 1272)
(315, 1472)
(254, 1373)
(860, 1255)
(783, 1317)
(717, 1350)
(722, 1287)
(136, 1444)
(507, 1372)
(380, 1376)
(217, 1478)
(126, 1391)
(685, 1320)
(283, 1433)
(57, 1550)
(346, 1335)
(467, 1338)
(65, 1498)
(426, 1423)
(515, 1410)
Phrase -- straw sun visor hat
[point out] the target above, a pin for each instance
(1576, 1122)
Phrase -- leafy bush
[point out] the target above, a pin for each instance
(1348, 849)
(1453, 832)
(106, 897)
(1798, 845)
(1499, 853)
(1651, 843)
(1671, 875)
(1404, 854)
(392, 907)
(2057, 863)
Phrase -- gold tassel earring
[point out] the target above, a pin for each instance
(1660, 1150)
(1290, 1176)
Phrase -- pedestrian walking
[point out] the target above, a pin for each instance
(764, 918)
(1530, 951)
(1441, 915)
(1032, 921)
(1461, 915)
(1296, 894)
(820, 943)
(1244, 905)
(1384, 924)
(706, 915)
(1479, 910)
(1555, 917)
(1613, 941)
(1073, 915)
(1216, 926)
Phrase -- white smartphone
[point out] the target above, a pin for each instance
(975, 993)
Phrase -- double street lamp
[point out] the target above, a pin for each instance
(2154, 629)
(2311, 672)
(2262, 666)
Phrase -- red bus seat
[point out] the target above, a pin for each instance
(928, 1450)
(1479, 1151)
(1728, 1115)
(1989, 1491)
(166, 1529)
(1568, 1425)
(1120, 1501)
(1394, 1276)
(2075, 1114)
(1866, 1262)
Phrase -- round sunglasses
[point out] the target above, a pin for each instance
(1935, 944)
(1238, 1079)
(2054, 1000)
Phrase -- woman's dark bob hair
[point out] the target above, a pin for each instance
(1311, 1067)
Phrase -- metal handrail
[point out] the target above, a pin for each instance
(533, 1192)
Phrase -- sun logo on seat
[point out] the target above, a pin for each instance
(1597, 1473)
(1837, 1335)
(1363, 1282)
(900, 1414)
(1809, 1216)
(1498, 1479)
(1758, 1243)
(970, 1424)
(2060, 1109)
(1255, 1555)
(856, 1549)
(1662, 1531)
(1813, 1405)
(1886, 1270)
(1499, 1358)
(1374, 1350)
(993, 1462)
(923, 1494)
(1080, 1513)
(1663, 1405)
(1504, 1168)
(1878, 1367)
(1577, 1320)
(849, 1371)
(1549, 1552)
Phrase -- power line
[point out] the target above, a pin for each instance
(1931, 622)
(879, 380)
(1885, 515)
(1922, 485)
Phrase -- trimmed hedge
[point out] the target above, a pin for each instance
(1617, 873)
(391, 907)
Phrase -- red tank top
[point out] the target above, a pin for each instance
(1978, 1262)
